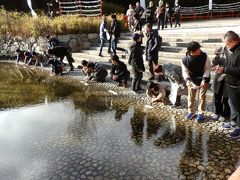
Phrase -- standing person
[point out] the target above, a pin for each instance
(150, 13)
(102, 34)
(196, 68)
(136, 62)
(168, 15)
(130, 13)
(232, 71)
(61, 52)
(177, 14)
(115, 32)
(151, 49)
(137, 24)
(222, 108)
(119, 72)
(53, 41)
(174, 74)
(160, 14)
(139, 12)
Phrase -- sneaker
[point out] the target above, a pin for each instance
(189, 116)
(199, 118)
(215, 116)
(221, 118)
(235, 133)
(228, 125)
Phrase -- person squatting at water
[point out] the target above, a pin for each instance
(96, 72)
(119, 72)
(196, 68)
(24, 56)
(57, 67)
(220, 98)
(136, 62)
(156, 93)
(61, 52)
(174, 74)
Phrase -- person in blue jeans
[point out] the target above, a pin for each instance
(102, 34)
(232, 71)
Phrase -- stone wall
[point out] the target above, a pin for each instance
(77, 42)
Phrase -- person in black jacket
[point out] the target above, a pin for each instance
(96, 72)
(136, 61)
(150, 13)
(115, 32)
(151, 49)
(119, 72)
(232, 71)
(61, 52)
(168, 15)
(53, 41)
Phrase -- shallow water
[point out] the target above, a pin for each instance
(57, 129)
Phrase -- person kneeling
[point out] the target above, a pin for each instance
(119, 72)
(156, 92)
(57, 67)
(96, 72)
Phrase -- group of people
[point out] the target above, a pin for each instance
(192, 77)
(54, 56)
(163, 14)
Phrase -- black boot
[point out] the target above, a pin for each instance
(178, 101)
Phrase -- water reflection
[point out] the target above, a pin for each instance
(81, 132)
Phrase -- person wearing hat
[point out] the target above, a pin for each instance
(136, 61)
(196, 68)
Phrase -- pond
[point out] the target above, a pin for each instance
(57, 128)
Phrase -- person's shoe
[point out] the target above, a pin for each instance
(221, 118)
(100, 55)
(235, 133)
(72, 69)
(199, 118)
(228, 125)
(189, 116)
(140, 89)
(215, 116)
(151, 78)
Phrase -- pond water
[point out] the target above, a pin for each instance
(54, 128)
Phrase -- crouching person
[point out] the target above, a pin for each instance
(119, 72)
(156, 93)
(173, 73)
(61, 52)
(57, 67)
(96, 72)
(40, 58)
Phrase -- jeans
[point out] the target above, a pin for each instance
(136, 80)
(114, 47)
(234, 103)
(101, 46)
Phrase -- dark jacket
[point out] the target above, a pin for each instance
(99, 72)
(232, 70)
(198, 68)
(119, 69)
(173, 72)
(115, 29)
(136, 57)
(53, 42)
(152, 46)
(221, 60)
(60, 51)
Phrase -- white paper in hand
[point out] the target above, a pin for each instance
(174, 91)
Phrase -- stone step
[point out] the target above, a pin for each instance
(176, 55)
(184, 49)
(184, 44)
